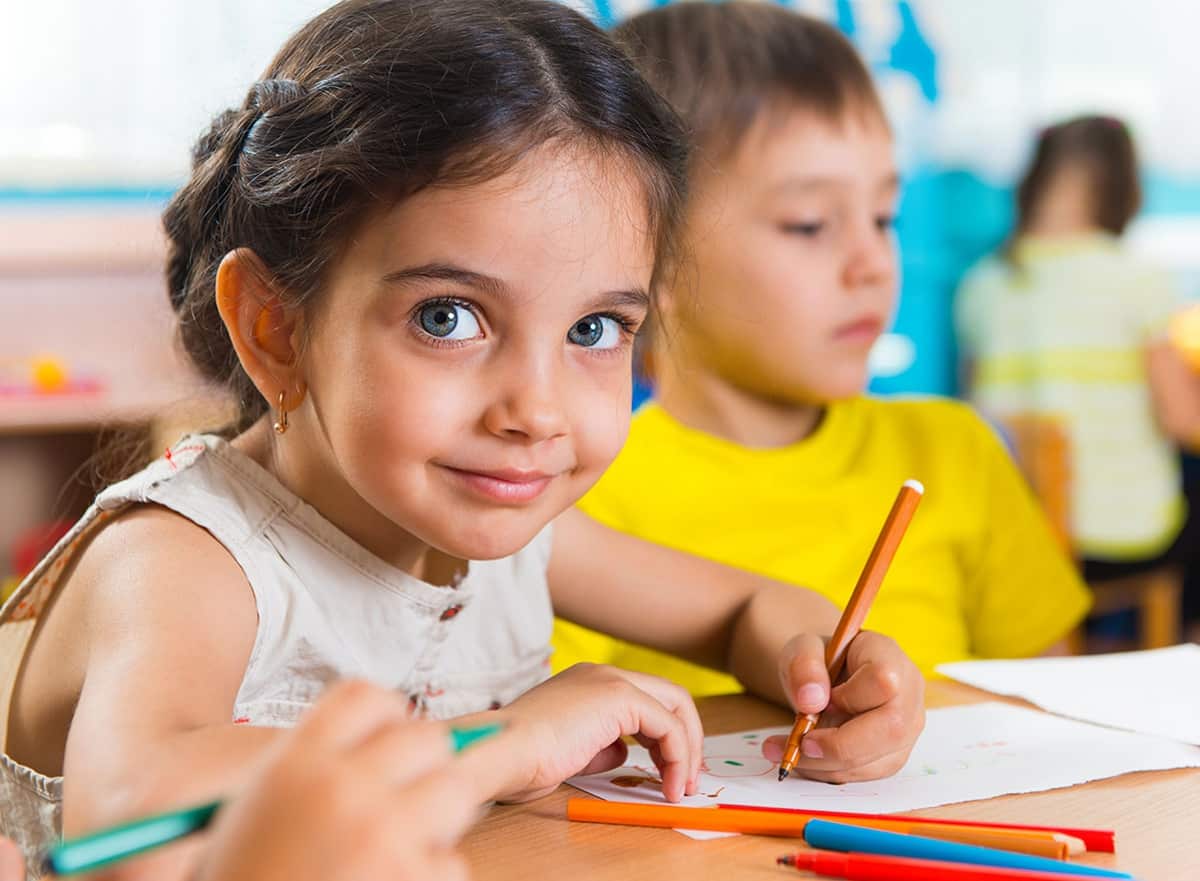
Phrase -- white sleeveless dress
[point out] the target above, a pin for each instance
(327, 609)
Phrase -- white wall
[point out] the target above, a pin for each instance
(114, 92)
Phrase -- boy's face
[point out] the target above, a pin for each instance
(790, 240)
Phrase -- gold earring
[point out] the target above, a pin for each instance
(281, 424)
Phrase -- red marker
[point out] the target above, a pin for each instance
(873, 867)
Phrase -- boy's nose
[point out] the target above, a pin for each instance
(871, 260)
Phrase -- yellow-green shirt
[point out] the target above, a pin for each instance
(977, 575)
(1063, 335)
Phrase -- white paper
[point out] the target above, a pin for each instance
(965, 753)
(1154, 692)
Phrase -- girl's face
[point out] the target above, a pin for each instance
(469, 371)
(793, 259)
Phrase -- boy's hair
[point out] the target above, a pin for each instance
(1103, 148)
(374, 100)
(722, 65)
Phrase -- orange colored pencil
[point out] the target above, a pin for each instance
(1100, 840)
(590, 810)
(856, 610)
(792, 825)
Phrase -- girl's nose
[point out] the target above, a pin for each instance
(530, 409)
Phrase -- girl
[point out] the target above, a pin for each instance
(417, 254)
(760, 449)
(1069, 325)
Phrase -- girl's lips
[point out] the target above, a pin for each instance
(507, 486)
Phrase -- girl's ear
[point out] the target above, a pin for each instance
(265, 333)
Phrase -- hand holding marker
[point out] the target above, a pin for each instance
(856, 610)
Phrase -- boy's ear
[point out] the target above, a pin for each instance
(264, 332)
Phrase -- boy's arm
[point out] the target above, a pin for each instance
(764, 632)
(706, 612)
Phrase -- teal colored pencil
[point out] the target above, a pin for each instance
(118, 843)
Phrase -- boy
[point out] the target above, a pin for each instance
(760, 450)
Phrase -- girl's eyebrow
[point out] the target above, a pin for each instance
(448, 272)
(437, 271)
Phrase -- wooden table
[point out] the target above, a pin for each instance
(1156, 816)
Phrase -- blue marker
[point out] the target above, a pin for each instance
(860, 839)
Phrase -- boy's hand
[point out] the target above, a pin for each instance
(869, 722)
(573, 724)
(358, 790)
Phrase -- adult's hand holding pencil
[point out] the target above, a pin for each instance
(858, 698)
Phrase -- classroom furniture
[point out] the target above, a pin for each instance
(1042, 451)
(84, 285)
(1153, 814)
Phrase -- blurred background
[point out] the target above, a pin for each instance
(101, 103)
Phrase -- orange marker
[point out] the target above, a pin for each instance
(856, 610)
(791, 825)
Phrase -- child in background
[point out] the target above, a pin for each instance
(1068, 325)
(759, 448)
(418, 254)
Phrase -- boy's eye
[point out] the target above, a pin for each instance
(886, 222)
(803, 229)
(448, 321)
(595, 332)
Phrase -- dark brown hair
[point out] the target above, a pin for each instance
(721, 65)
(375, 99)
(1102, 147)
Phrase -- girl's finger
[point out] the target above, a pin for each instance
(679, 701)
(612, 756)
(654, 726)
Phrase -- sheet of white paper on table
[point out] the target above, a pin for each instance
(1154, 692)
(965, 753)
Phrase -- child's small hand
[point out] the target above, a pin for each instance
(358, 790)
(873, 718)
(573, 724)
(12, 865)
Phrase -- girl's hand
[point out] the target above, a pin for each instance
(573, 724)
(869, 722)
(358, 790)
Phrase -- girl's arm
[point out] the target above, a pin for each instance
(169, 623)
(766, 633)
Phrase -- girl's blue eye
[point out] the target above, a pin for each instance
(448, 321)
(596, 332)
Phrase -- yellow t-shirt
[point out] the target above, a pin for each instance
(978, 574)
